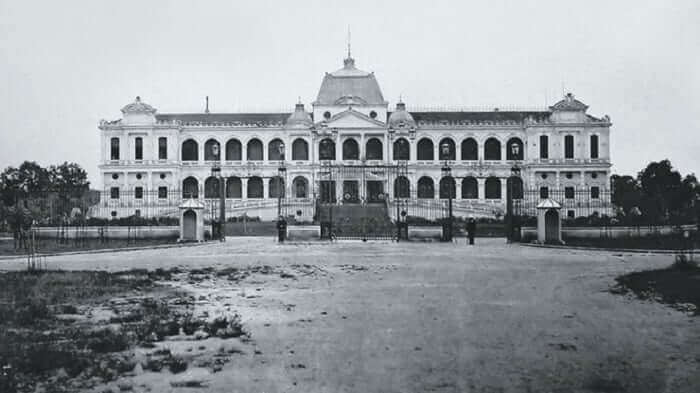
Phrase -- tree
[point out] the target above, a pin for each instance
(626, 193)
(666, 194)
(32, 180)
(68, 179)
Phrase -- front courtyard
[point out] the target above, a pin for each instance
(417, 317)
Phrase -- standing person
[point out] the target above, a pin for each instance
(281, 229)
(471, 230)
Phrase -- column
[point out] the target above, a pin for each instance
(583, 180)
(504, 150)
(458, 187)
(244, 152)
(338, 149)
(388, 149)
(504, 189)
(244, 188)
(200, 152)
(266, 186)
(481, 182)
(458, 151)
(558, 186)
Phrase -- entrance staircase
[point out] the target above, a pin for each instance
(355, 221)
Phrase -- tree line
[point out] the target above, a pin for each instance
(659, 194)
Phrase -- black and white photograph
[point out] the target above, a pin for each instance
(349, 196)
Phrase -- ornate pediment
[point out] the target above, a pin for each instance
(353, 119)
(138, 107)
(569, 103)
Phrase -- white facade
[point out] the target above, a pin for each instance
(350, 106)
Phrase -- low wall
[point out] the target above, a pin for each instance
(424, 232)
(530, 233)
(108, 232)
(303, 232)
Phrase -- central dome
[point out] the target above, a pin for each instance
(349, 85)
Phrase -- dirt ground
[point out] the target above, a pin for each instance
(419, 317)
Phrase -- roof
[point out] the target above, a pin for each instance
(495, 116)
(548, 204)
(350, 84)
(192, 204)
(224, 118)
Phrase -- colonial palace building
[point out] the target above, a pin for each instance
(150, 157)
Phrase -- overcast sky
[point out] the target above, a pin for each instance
(67, 64)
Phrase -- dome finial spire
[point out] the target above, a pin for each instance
(349, 55)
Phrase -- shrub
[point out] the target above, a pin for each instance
(682, 262)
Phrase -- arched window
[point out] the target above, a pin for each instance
(493, 188)
(234, 150)
(211, 187)
(190, 150)
(351, 150)
(516, 187)
(234, 188)
(138, 148)
(426, 188)
(544, 146)
(447, 187)
(255, 188)
(273, 150)
(569, 146)
(276, 187)
(190, 188)
(374, 149)
(301, 187)
(402, 187)
(326, 149)
(212, 150)
(470, 150)
(514, 149)
(470, 188)
(451, 154)
(114, 148)
(402, 149)
(425, 150)
(492, 149)
(254, 150)
(594, 146)
(300, 150)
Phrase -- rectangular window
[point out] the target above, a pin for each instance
(137, 212)
(594, 146)
(569, 146)
(138, 192)
(138, 149)
(569, 192)
(571, 214)
(544, 146)
(162, 192)
(595, 192)
(544, 192)
(162, 148)
(114, 148)
(114, 193)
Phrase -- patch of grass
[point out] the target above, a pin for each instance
(678, 285)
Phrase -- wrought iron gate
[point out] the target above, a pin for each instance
(365, 208)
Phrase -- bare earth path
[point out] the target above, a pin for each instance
(417, 317)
